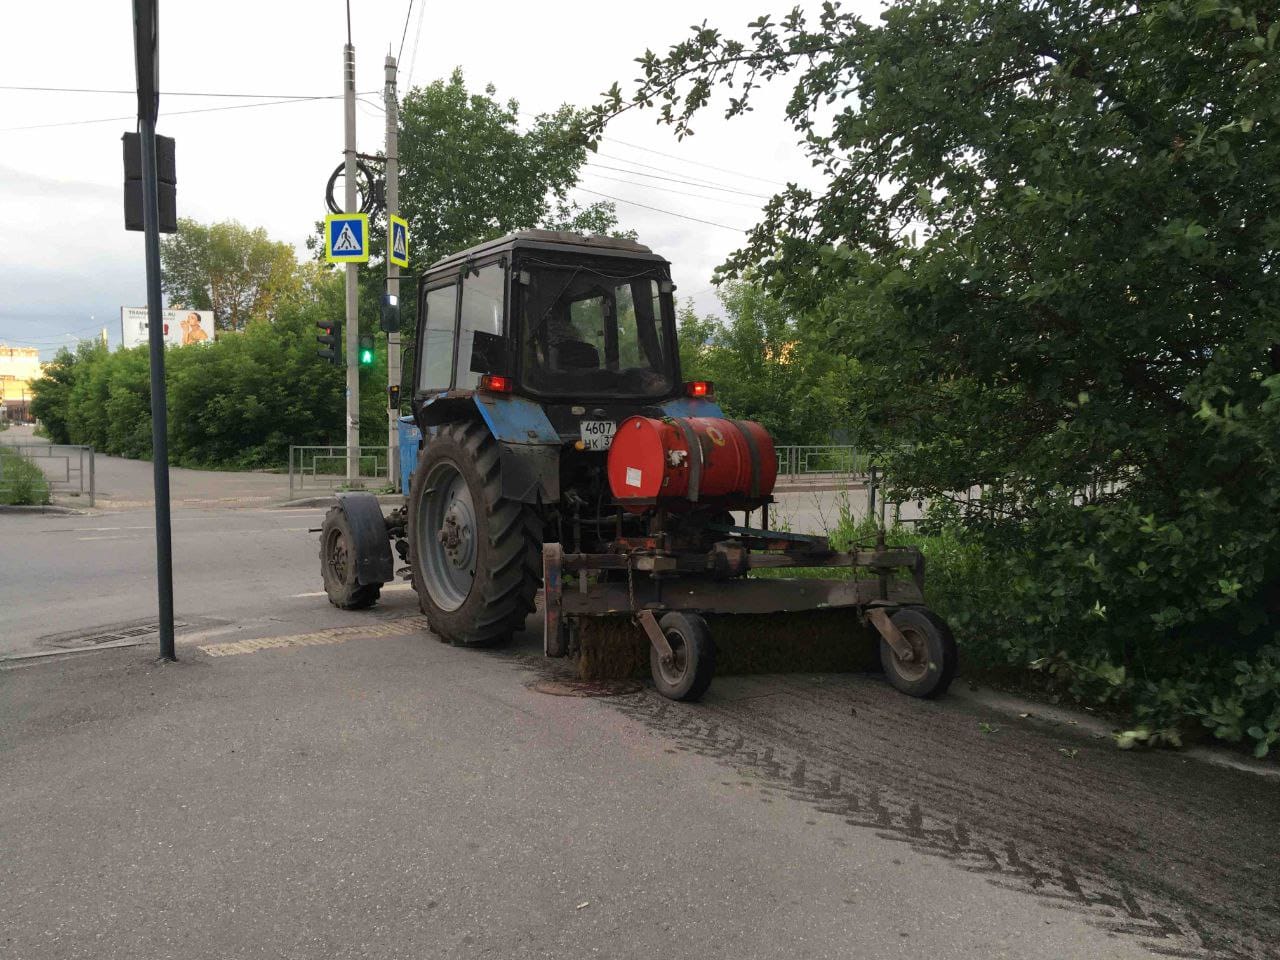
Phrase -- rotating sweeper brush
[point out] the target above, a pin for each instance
(553, 442)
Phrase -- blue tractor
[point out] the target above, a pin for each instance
(537, 355)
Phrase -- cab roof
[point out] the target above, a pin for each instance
(560, 240)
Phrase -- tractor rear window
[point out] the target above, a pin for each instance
(597, 334)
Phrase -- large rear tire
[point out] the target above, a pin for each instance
(476, 557)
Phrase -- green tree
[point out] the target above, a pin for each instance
(1048, 233)
(238, 273)
(468, 171)
(764, 369)
(51, 393)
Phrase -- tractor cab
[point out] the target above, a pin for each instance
(559, 319)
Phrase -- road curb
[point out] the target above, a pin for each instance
(385, 499)
(1091, 726)
(40, 508)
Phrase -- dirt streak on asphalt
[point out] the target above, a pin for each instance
(1183, 856)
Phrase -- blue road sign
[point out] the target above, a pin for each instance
(399, 246)
(346, 238)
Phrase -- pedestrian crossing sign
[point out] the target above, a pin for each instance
(399, 241)
(346, 238)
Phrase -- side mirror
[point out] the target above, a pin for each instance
(487, 353)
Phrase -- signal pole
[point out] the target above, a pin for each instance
(146, 42)
(393, 272)
(353, 321)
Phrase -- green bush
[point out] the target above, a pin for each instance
(236, 403)
(1007, 621)
(21, 482)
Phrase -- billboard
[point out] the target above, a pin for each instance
(181, 327)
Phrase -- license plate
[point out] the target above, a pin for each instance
(597, 434)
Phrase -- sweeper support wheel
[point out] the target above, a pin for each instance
(682, 656)
(917, 650)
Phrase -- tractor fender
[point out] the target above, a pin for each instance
(692, 407)
(528, 447)
(372, 546)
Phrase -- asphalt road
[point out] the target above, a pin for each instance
(234, 571)
(307, 782)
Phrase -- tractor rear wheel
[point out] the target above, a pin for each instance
(476, 557)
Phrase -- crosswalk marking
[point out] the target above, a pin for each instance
(386, 628)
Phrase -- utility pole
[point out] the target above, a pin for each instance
(393, 271)
(353, 321)
(146, 40)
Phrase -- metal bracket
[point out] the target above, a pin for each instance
(892, 635)
(649, 622)
(554, 642)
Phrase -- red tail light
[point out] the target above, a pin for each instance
(496, 383)
(700, 388)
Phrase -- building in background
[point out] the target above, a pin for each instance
(18, 367)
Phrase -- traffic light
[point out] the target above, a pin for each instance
(366, 350)
(330, 340)
(166, 179)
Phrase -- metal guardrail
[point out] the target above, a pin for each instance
(820, 462)
(68, 468)
(324, 469)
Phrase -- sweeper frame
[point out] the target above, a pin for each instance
(667, 591)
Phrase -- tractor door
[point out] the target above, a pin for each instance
(437, 331)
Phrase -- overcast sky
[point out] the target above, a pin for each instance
(70, 265)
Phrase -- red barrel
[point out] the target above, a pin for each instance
(692, 459)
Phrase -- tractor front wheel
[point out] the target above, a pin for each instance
(476, 558)
(338, 564)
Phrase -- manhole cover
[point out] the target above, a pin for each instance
(586, 688)
(137, 631)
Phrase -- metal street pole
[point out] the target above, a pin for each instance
(353, 322)
(393, 272)
(146, 39)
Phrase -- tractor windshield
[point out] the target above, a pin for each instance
(591, 332)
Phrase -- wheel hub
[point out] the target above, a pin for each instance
(456, 536)
(337, 557)
(447, 537)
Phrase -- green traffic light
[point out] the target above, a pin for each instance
(366, 358)
(366, 351)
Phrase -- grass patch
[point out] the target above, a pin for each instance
(21, 482)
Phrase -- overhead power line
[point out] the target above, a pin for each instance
(405, 32)
(55, 341)
(169, 113)
(703, 181)
(680, 193)
(670, 213)
(698, 163)
(413, 57)
(670, 156)
(687, 183)
(165, 93)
